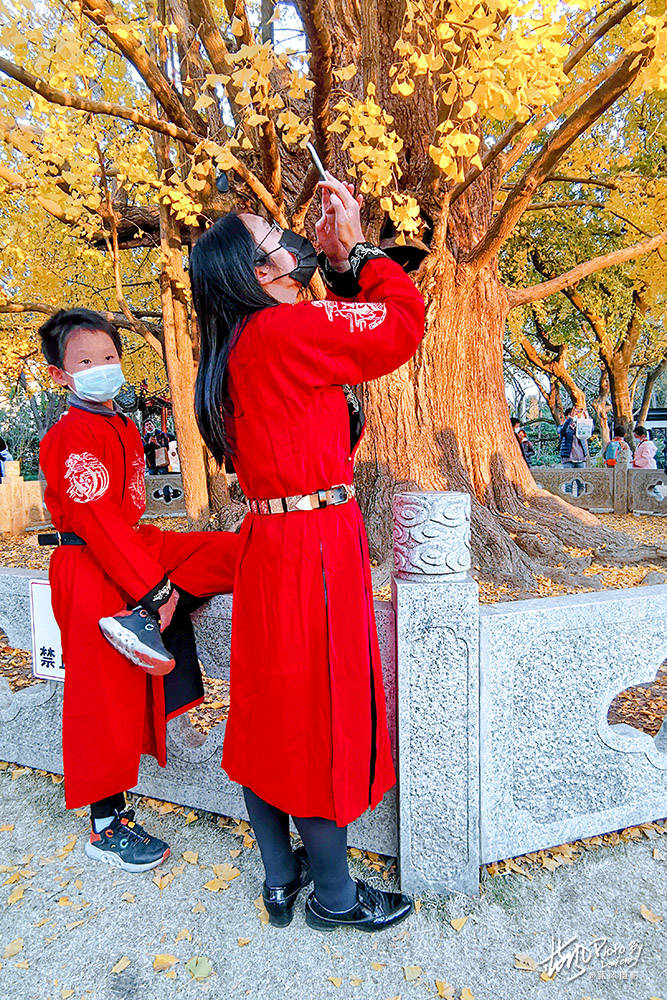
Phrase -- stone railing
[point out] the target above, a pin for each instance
(498, 713)
(22, 503)
(617, 490)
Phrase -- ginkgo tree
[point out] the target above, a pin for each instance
(138, 126)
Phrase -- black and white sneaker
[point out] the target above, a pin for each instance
(136, 634)
(125, 844)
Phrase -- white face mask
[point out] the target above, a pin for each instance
(99, 384)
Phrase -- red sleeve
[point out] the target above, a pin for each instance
(89, 510)
(335, 341)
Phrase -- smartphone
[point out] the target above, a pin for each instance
(316, 160)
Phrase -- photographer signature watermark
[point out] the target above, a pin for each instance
(611, 959)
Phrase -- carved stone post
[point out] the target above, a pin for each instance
(437, 652)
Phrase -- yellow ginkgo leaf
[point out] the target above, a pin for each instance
(647, 914)
(458, 922)
(121, 964)
(162, 962)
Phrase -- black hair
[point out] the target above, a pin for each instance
(640, 431)
(3, 444)
(618, 432)
(225, 293)
(56, 330)
(515, 421)
(569, 411)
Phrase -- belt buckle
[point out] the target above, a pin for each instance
(322, 497)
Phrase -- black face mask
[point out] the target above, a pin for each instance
(303, 250)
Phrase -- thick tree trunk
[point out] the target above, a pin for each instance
(601, 408)
(435, 425)
(181, 373)
(619, 389)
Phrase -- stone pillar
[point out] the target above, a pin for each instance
(620, 472)
(437, 653)
(13, 512)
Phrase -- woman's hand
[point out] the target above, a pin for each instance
(339, 227)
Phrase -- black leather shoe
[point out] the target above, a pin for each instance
(279, 900)
(375, 910)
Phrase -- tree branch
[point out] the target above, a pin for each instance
(540, 206)
(520, 296)
(321, 71)
(206, 26)
(101, 13)
(580, 120)
(577, 54)
(96, 107)
(516, 127)
(118, 319)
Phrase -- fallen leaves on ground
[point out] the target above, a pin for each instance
(554, 857)
(444, 989)
(263, 913)
(121, 964)
(647, 914)
(199, 967)
(13, 948)
(412, 972)
(162, 962)
(458, 922)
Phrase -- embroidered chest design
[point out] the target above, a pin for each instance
(360, 315)
(87, 478)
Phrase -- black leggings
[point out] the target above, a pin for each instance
(108, 806)
(325, 843)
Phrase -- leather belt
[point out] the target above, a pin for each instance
(309, 501)
(59, 538)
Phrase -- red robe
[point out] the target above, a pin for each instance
(113, 711)
(307, 727)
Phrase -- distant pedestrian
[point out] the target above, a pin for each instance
(5, 456)
(644, 457)
(524, 442)
(615, 448)
(156, 450)
(573, 450)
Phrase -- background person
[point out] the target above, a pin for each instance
(617, 446)
(156, 450)
(526, 445)
(5, 456)
(646, 450)
(307, 731)
(573, 451)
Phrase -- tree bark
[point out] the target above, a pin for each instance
(651, 379)
(602, 406)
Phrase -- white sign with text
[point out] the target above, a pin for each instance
(47, 654)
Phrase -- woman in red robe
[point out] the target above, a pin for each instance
(307, 729)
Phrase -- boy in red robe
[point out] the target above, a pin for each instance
(93, 462)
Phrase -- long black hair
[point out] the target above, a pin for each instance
(225, 293)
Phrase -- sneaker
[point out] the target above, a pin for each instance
(125, 844)
(375, 910)
(136, 634)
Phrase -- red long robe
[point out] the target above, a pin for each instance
(307, 727)
(113, 711)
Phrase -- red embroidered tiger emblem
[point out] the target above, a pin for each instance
(87, 478)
